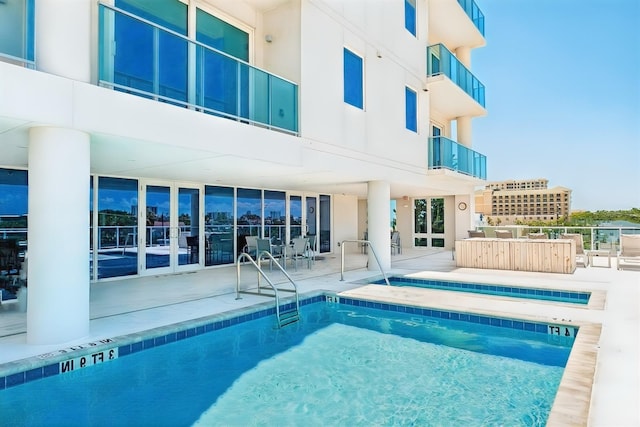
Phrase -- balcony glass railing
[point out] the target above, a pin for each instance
(441, 61)
(473, 11)
(139, 57)
(17, 32)
(447, 154)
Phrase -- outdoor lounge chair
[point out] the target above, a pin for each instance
(629, 250)
(537, 236)
(504, 234)
(476, 233)
(580, 253)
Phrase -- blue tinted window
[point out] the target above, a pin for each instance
(411, 109)
(147, 59)
(410, 16)
(353, 79)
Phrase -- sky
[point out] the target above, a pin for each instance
(562, 82)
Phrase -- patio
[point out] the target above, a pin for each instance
(132, 305)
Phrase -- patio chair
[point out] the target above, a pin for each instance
(264, 245)
(395, 243)
(476, 233)
(581, 255)
(297, 251)
(537, 236)
(251, 246)
(629, 250)
(504, 234)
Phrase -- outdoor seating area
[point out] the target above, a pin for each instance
(629, 255)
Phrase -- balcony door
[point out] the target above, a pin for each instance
(171, 215)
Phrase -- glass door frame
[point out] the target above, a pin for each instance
(174, 229)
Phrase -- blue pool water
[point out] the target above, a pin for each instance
(487, 289)
(348, 363)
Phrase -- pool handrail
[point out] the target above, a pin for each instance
(368, 243)
(295, 316)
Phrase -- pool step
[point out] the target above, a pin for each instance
(288, 317)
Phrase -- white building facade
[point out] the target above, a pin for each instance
(144, 137)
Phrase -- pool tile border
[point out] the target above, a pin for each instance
(20, 372)
(580, 297)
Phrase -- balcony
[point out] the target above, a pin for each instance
(17, 37)
(144, 59)
(447, 154)
(455, 91)
(456, 23)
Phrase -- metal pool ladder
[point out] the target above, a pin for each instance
(285, 317)
(375, 256)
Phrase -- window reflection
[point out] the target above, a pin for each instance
(117, 227)
(219, 210)
(295, 216)
(274, 215)
(13, 227)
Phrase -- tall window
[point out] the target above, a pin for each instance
(117, 227)
(218, 217)
(353, 79)
(410, 16)
(13, 220)
(411, 109)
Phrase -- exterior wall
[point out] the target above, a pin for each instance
(345, 226)
(393, 59)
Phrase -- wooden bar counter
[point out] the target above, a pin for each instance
(543, 255)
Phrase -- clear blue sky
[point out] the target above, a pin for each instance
(562, 84)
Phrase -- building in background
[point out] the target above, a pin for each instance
(151, 137)
(507, 202)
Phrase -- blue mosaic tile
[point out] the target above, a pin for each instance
(540, 328)
(200, 330)
(160, 340)
(33, 374)
(51, 370)
(136, 346)
(150, 343)
(518, 324)
(123, 350)
(171, 337)
(15, 379)
(180, 335)
(2, 383)
(191, 332)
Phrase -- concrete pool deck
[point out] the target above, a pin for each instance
(611, 319)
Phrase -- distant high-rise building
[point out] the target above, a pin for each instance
(523, 200)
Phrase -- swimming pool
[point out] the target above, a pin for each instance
(349, 363)
(573, 297)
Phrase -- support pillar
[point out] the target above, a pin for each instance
(464, 131)
(58, 236)
(63, 38)
(463, 54)
(379, 220)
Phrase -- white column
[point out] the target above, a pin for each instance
(463, 54)
(379, 223)
(63, 38)
(58, 236)
(463, 127)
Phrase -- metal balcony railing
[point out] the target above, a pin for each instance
(475, 14)
(447, 154)
(169, 67)
(441, 61)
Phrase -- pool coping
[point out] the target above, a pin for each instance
(571, 404)
(597, 299)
